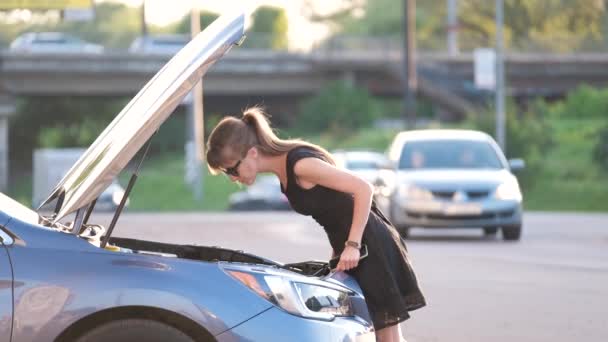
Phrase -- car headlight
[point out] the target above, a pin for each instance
(508, 191)
(297, 297)
(411, 191)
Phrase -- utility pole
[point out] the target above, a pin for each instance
(452, 27)
(500, 79)
(197, 113)
(410, 83)
(144, 28)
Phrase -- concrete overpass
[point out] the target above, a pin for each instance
(283, 78)
(270, 73)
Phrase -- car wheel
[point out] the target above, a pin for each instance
(511, 233)
(134, 330)
(489, 231)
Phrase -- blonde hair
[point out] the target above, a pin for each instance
(232, 138)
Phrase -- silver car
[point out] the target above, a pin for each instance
(65, 278)
(53, 43)
(454, 178)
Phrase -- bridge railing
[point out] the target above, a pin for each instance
(390, 44)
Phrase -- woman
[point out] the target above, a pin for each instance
(338, 200)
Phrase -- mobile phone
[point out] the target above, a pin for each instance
(333, 262)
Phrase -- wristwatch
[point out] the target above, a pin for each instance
(350, 243)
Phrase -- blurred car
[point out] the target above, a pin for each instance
(454, 178)
(264, 194)
(53, 42)
(374, 167)
(163, 44)
(110, 198)
(67, 279)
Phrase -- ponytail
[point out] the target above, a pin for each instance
(232, 138)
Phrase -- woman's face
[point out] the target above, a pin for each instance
(244, 170)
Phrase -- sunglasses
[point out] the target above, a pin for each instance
(233, 171)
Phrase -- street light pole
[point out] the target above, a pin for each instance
(500, 79)
(144, 28)
(197, 112)
(452, 27)
(410, 83)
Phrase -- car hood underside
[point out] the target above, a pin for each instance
(216, 254)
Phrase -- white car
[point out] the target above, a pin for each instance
(54, 43)
(454, 179)
(372, 166)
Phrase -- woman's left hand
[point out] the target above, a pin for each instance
(349, 259)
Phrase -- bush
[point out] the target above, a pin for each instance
(583, 102)
(77, 122)
(339, 108)
(58, 122)
(600, 151)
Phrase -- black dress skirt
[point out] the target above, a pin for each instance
(386, 276)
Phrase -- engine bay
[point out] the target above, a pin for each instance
(216, 254)
(95, 233)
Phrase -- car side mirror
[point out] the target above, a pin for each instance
(517, 164)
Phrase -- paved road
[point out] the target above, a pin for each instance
(551, 286)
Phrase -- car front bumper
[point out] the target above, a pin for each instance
(445, 214)
(278, 325)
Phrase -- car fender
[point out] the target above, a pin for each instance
(56, 286)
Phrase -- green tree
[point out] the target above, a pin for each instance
(339, 108)
(543, 25)
(58, 122)
(269, 28)
(553, 25)
(183, 26)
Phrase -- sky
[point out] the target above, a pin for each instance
(301, 35)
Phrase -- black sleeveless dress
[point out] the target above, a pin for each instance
(386, 275)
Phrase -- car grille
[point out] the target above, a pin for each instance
(449, 195)
(443, 194)
(482, 216)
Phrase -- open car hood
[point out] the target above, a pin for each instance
(143, 115)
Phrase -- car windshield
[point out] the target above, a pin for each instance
(449, 154)
(50, 41)
(56, 39)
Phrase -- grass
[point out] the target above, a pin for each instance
(570, 180)
(564, 195)
(161, 187)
